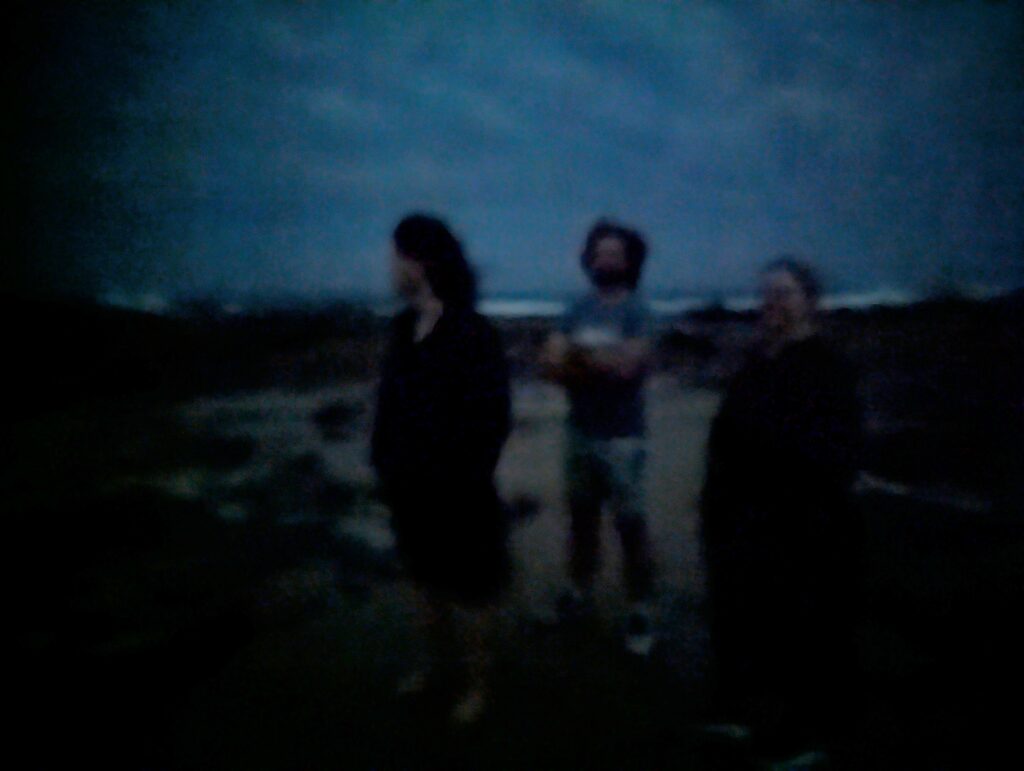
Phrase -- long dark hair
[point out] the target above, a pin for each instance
(635, 247)
(430, 242)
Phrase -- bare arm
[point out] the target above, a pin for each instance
(567, 363)
(558, 362)
(625, 361)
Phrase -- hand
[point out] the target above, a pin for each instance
(624, 361)
(556, 349)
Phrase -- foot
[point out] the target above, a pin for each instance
(639, 634)
(414, 683)
(726, 732)
(573, 605)
(802, 761)
(470, 707)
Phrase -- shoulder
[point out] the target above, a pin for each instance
(827, 352)
(745, 363)
(404, 319)
(636, 306)
(637, 302)
(577, 310)
(826, 360)
(473, 328)
(401, 325)
(581, 306)
(636, 316)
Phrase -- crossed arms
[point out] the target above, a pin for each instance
(570, 364)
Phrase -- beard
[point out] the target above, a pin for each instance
(609, 279)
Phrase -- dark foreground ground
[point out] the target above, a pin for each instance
(203, 580)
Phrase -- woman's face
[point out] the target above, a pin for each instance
(785, 307)
(608, 262)
(407, 275)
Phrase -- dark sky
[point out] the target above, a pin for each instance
(243, 146)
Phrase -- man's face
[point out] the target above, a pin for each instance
(608, 262)
(407, 275)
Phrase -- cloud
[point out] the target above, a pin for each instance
(272, 141)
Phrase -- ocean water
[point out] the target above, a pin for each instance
(547, 307)
(673, 306)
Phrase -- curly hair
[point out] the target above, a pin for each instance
(632, 241)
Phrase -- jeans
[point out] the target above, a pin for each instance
(609, 472)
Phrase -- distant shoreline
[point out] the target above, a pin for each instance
(519, 307)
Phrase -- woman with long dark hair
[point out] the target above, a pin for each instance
(780, 534)
(443, 414)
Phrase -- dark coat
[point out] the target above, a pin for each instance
(443, 406)
(443, 414)
(783, 448)
(782, 541)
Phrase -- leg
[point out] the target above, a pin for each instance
(639, 577)
(474, 630)
(584, 493)
(626, 460)
(737, 638)
(638, 560)
(626, 463)
(433, 621)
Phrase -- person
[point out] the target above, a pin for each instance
(601, 356)
(442, 417)
(780, 534)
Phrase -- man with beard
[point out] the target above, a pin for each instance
(600, 356)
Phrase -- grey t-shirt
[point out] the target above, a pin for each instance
(607, 407)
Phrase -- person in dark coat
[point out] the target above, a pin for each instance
(780, 534)
(443, 414)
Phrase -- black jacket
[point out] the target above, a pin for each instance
(443, 407)
(783, 448)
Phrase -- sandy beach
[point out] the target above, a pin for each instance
(210, 557)
(531, 467)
